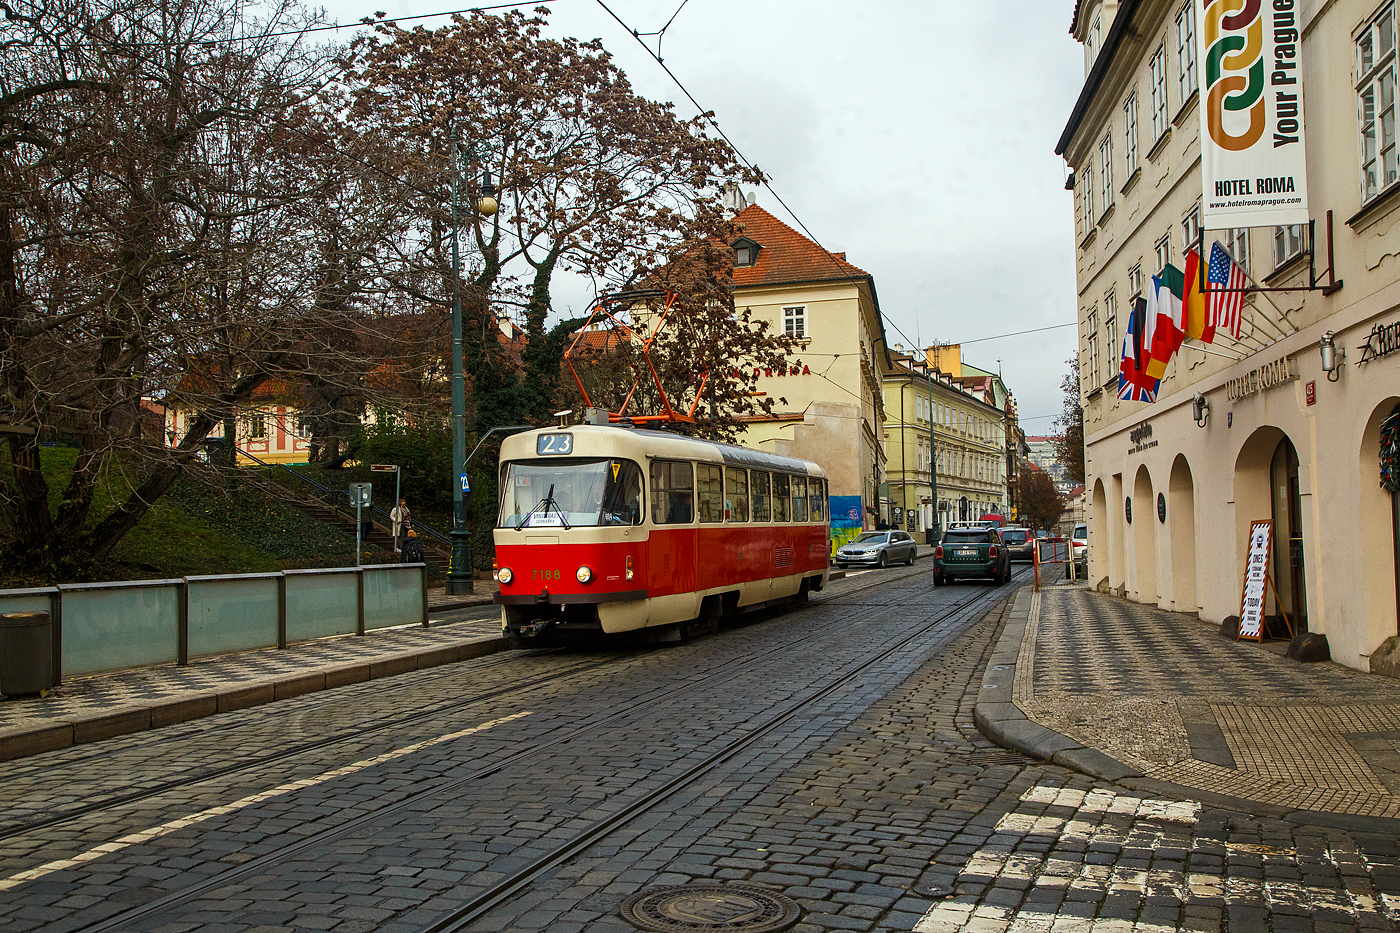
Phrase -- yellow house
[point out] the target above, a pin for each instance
(830, 406)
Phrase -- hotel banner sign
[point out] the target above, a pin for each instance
(1253, 165)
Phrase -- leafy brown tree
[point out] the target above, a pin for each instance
(161, 173)
(1069, 445)
(594, 179)
(1040, 502)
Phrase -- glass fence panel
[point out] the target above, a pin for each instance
(232, 614)
(34, 603)
(110, 628)
(393, 596)
(321, 604)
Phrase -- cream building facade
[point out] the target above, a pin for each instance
(829, 406)
(1254, 429)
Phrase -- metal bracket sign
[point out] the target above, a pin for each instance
(466, 483)
(1383, 340)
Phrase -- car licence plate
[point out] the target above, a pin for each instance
(967, 552)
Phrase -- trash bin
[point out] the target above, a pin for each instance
(26, 653)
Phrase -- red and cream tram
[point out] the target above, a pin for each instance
(616, 529)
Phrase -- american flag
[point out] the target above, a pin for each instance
(1223, 307)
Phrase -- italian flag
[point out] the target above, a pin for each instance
(1164, 310)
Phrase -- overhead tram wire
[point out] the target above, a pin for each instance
(365, 22)
(725, 136)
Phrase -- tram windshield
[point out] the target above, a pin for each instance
(565, 494)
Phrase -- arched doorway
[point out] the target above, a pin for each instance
(1380, 535)
(1145, 538)
(1100, 546)
(1288, 568)
(1181, 518)
(1118, 538)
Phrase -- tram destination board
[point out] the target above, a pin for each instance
(554, 445)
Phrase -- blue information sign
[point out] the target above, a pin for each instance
(466, 483)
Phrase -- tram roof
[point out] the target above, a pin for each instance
(662, 444)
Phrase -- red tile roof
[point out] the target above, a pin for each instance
(786, 256)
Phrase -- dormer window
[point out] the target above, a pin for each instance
(745, 252)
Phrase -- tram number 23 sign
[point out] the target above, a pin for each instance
(1256, 577)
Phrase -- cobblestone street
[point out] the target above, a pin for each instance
(825, 755)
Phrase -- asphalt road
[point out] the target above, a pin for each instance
(827, 753)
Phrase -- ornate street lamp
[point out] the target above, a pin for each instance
(459, 574)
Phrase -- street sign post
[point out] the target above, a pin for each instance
(360, 495)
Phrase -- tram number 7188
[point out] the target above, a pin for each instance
(544, 575)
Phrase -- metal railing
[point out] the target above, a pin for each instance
(332, 498)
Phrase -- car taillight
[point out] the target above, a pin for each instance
(938, 551)
(992, 551)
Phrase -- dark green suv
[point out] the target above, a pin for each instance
(971, 553)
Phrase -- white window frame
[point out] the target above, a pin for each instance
(1110, 329)
(1186, 50)
(1158, 67)
(1106, 173)
(1375, 103)
(1190, 228)
(795, 322)
(1131, 133)
(1092, 332)
(1135, 280)
(1236, 243)
(1087, 201)
(1288, 243)
(1163, 250)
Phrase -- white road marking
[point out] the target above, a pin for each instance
(184, 822)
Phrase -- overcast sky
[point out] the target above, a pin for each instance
(916, 135)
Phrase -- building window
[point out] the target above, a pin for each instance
(257, 425)
(1106, 173)
(1375, 63)
(1130, 142)
(1093, 350)
(1186, 50)
(745, 252)
(1087, 200)
(1135, 280)
(1110, 329)
(1190, 229)
(1237, 245)
(795, 322)
(1164, 252)
(1159, 93)
(1288, 242)
(1093, 40)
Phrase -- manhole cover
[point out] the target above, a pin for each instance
(711, 907)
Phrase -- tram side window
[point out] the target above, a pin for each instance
(622, 497)
(799, 498)
(736, 500)
(817, 498)
(762, 504)
(709, 482)
(672, 493)
(781, 503)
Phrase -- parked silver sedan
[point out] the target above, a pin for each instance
(878, 549)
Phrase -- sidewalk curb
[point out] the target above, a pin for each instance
(450, 605)
(999, 718)
(48, 736)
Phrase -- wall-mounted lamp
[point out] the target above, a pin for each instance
(1332, 357)
(1200, 409)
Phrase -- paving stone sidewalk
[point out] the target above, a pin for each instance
(1158, 700)
(86, 709)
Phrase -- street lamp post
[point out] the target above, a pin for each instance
(459, 574)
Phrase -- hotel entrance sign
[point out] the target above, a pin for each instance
(1256, 574)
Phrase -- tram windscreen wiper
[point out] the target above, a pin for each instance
(547, 501)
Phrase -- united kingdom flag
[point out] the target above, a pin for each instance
(1134, 385)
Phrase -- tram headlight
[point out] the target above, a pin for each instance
(504, 575)
(584, 574)
(629, 566)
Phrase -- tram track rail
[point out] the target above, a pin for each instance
(73, 814)
(510, 885)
